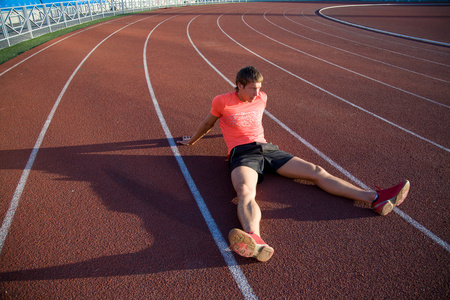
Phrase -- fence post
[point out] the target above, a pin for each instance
(78, 12)
(47, 19)
(27, 20)
(90, 10)
(102, 8)
(113, 6)
(63, 13)
(4, 29)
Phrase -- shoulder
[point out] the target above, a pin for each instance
(263, 96)
(221, 100)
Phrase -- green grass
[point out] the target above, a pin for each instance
(11, 52)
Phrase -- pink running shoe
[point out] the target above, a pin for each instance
(389, 198)
(249, 245)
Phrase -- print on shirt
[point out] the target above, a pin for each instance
(244, 119)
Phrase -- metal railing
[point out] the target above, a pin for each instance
(19, 24)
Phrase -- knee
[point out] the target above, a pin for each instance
(319, 170)
(319, 173)
(245, 193)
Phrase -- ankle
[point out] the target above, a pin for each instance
(375, 200)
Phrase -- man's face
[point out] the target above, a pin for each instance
(249, 92)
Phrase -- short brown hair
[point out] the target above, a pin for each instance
(247, 75)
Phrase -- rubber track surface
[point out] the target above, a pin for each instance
(106, 212)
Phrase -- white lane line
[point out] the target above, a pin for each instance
(333, 95)
(424, 230)
(221, 243)
(346, 51)
(378, 30)
(402, 214)
(343, 68)
(69, 36)
(14, 204)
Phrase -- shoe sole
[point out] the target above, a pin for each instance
(401, 196)
(397, 200)
(244, 245)
(387, 208)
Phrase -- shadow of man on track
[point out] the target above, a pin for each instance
(135, 179)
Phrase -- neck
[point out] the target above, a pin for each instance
(240, 97)
(237, 94)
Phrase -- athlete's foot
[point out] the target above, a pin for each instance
(248, 244)
(389, 198)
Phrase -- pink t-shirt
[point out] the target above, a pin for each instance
(240, 122)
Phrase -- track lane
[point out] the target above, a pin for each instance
(27, 98)
(30, 162)
(217, 236)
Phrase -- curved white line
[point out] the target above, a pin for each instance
(343, 68)
(350, 52)
(371, 37)
(378, 30)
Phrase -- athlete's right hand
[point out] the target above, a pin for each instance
(185, 140)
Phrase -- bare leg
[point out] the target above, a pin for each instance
(244, 181)
(245, 244)
(300, 169)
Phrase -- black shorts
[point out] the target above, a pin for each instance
(260, 157)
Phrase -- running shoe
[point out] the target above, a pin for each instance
(248, 244)
(389, 198)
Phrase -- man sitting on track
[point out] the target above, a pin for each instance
(240, 117)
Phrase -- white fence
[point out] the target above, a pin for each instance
(22, 23)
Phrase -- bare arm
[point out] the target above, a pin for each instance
(202, 130)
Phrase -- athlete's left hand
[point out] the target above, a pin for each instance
(185, 140)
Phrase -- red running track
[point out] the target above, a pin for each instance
(106, 211)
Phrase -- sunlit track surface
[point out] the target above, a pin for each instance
(105, 212)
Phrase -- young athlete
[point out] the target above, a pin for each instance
(240, 116)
